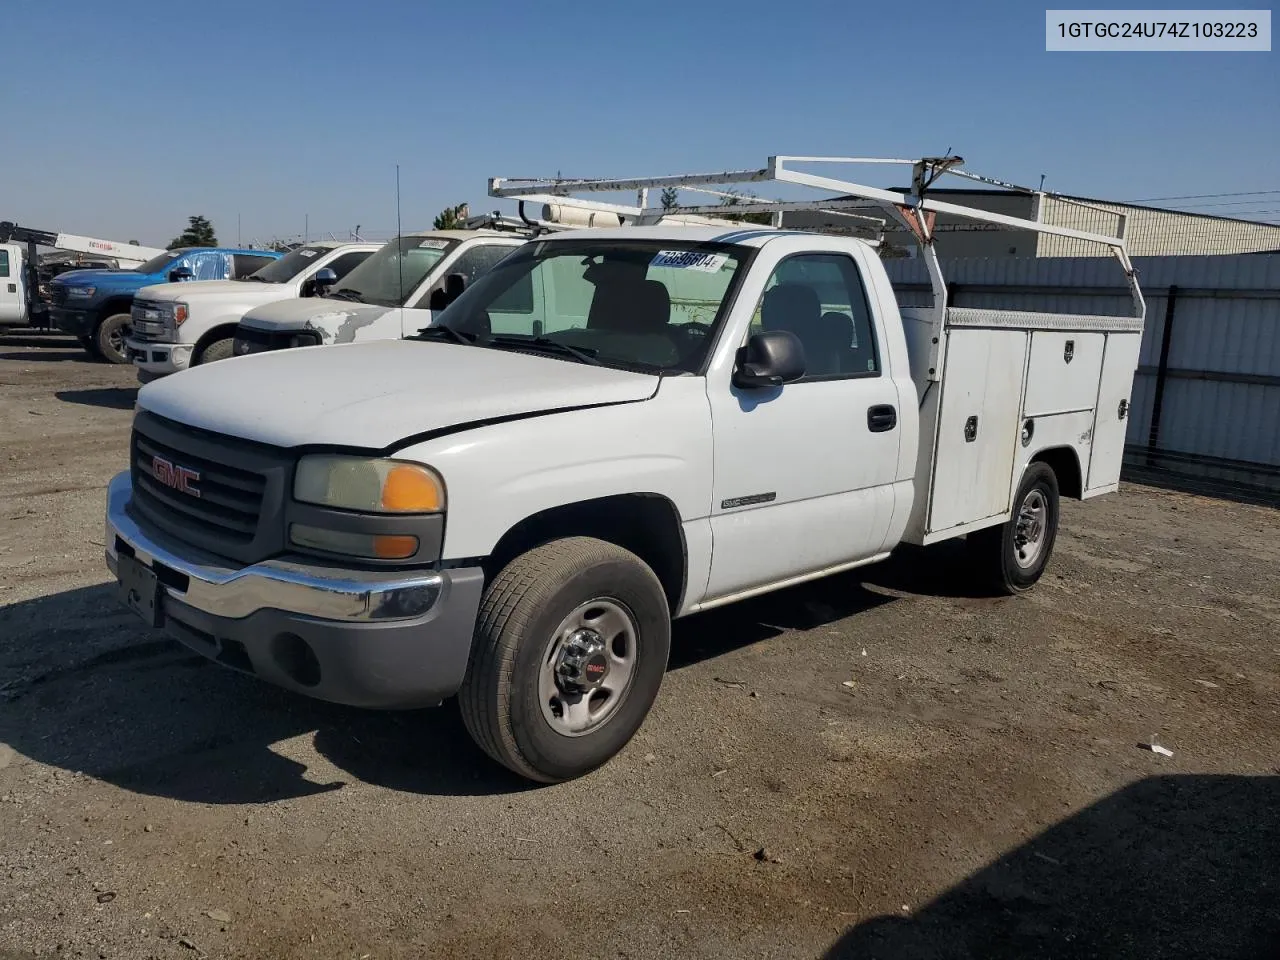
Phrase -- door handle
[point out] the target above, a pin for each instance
(881, 417)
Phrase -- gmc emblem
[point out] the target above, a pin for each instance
(172, 475)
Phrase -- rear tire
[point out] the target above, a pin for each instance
(1014, 555)
(218, 350)
(570, 649)
(108, 339)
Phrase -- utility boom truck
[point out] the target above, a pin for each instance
(22, 298)
(514, 504)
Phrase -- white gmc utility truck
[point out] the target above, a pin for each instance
(512, 506)
(176, 326)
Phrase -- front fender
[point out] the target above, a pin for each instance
(500, 474)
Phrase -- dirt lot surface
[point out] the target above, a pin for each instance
(887, 764)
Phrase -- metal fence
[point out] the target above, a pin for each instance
(1206, 399)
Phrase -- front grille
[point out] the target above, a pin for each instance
(220, 493)
(147, 321)
(252, 340)
(225, 500)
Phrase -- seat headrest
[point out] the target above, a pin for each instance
(790, 306)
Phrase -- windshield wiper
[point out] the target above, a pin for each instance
(581, 354)
(442, 332)
(346, 293)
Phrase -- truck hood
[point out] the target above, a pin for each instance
(240, 290)
(90, 278)
(305, 313)
(378, 393)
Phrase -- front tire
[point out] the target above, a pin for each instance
(218, 350)
(1016, 553)
(570, 649)
(108, 339)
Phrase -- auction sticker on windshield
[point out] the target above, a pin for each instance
(434, 244)
(690, 260)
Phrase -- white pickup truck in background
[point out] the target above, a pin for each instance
(390, 295)
(513, 505)
(175, 326)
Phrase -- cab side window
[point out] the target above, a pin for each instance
(348, 261)
(4, 263)
(821, 299)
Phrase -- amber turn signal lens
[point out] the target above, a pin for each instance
(411, 489)
(395, 547)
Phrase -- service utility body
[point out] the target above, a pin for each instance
(512, 506)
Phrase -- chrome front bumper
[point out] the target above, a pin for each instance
(222, 591)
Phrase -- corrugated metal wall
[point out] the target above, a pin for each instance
(1152, 233)
(1209, 406)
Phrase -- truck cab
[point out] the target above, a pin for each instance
(178, 326)
(392, 294)
(94, 305)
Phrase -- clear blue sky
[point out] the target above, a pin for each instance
(122, 119)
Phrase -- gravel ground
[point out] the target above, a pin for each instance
(887, 764)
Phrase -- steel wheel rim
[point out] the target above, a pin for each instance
(1029, 529)
(574, 712)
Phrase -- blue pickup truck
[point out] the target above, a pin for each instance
(93, 305)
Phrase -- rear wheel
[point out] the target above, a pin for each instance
(570, 648)
(109, 338)
(218, 350)
(1016, 553)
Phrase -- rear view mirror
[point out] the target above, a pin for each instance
(769, 359)
(178, 274)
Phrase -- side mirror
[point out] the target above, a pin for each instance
(323, 280)
(769, 359)
(178, 274)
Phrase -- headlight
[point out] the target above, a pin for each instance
(81, 292)
(373, 486)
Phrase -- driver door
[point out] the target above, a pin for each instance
(804, 474)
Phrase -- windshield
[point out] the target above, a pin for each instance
(640, 304)
(288, 266)
(390, 275)
(158, 264)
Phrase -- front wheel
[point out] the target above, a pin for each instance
(570, 648)
(218, 350)
(108, 339)
(1016, 553)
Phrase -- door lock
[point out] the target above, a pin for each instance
(1123, 411)
(971, 430)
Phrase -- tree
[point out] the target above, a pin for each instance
(736, 199)
(199, 233)
(451, 218)
(670, 197)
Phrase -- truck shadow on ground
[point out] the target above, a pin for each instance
(1171, 866)
(40, 346)
(84, 687)
(115, 398)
